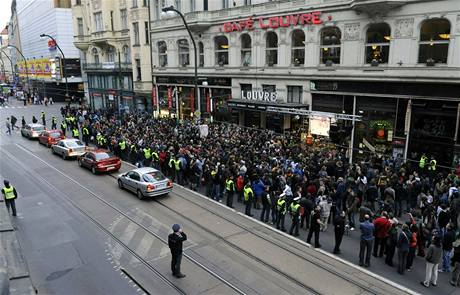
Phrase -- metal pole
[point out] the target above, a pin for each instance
(63, 61)
(25, 61)
(407, 127)
(352, 141)
(211, 105)
(121, 82)
(177, 105)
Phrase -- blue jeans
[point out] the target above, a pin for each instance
(446, 255)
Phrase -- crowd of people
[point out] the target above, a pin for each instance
(402, 210)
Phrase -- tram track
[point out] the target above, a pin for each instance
(120, 212)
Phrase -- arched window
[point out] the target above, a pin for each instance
(95, 55)
(271, 49)
(184, 52)
(378, 43)
(330, 45)
(298, 48)
(221, 49)
(201, 54)
(111, 54)
(246, 48)
(126, 54)
(434, 41)
(162, 54)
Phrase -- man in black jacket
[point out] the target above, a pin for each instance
(339, 230)
(175, 241)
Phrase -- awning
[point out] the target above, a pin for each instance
(255, 105)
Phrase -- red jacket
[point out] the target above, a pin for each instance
(382, 226)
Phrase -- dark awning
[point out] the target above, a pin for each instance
(255, 105)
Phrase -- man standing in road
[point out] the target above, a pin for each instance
(42, 115)
(175, 241)
(10, 194)
(339, 230)
(8, 126)
(367, 239)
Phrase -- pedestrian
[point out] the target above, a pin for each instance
(412, 246)
(382, 226)
(8, 126)
(13, 123)
(50, 100)
(248, 198)
(63, 127)
(75, 132)
(294, 209)
(43, 117)
(308, 207)
(53, 122)
(447, 247)
(339, 230)
(403, 248)
(229, 190)
(34, 120)
(326, 205)
(265, 214)
(240, 188)
(455, 278)
(433, 258)
(23, 122)
(175, 241)
(391, 242)
(10, 194)
(366, 241)
(315, 227)
(281, 209)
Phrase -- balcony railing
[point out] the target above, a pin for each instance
(109, 66)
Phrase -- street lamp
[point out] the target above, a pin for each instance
(169, 12)
(62, 62)
(25, 61)
(11, 62)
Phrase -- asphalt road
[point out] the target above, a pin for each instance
(64, 248)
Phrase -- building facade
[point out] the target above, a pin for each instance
(395, 65)
(6, 66)
(46, 68)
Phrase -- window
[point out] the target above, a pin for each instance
(205, 5)
(98, 21)
(126, 54)
(246, 49)
(146, 29)
(162, 54)
(434, 41)
(178, 5)
(134, 3)
(224, 4)
(201, 54)
(294, 94)
(111, 20)
(269, 88)
(271, 49)
(378, 43)
(192, 5)
(136, 33)
(298, 48)
(80, 26)
(138, 69)
(77, 2)
(246, 88)
(247, 2)
(184, 52)
(95, 54)
(124, 19)
(157, 9)
(111, 54)
(330, 46)
(145, 3)
(221, 50)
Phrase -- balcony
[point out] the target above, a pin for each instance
(107, 67)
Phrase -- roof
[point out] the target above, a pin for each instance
(144, 170)
(36, 125)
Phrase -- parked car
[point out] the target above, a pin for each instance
(68, 148)
(145, 182)
(99, 160)
(50, 137)
(32, 130)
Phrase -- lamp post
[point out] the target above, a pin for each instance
(25, 61)
(197, 97)
(63, 62)
(11, 62)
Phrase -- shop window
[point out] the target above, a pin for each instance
(136, 34)
(245, 88)
(298, 48)
(111, 54)
(184, 52)
(126, 54)
(138, 70)
(271, 49)
(246, 48)
(221, 49)
(330, 46)
(162, 54)
(294, 94)
(378, 43)
(434, 41)
(95, 54)
(201, 54)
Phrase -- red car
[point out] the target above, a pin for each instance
(99, 160)
(50, 137)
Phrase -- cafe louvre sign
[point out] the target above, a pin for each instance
(259, 96)
(274, 22)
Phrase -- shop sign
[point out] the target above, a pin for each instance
(311, 18)
(110, 96)
(259, 95)
(51, 45)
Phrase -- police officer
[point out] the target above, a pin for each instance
(432, 166)
(63, 126)
(175, 241)
(85, 133)
(294, 209)
(42, 115)
(122, 146)
(155, 159)
(281, 209)
(75, 132)
(53, 122)
(248, 198)
(147, 156)
(422, 162)
(10, 194)
(230, 190)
